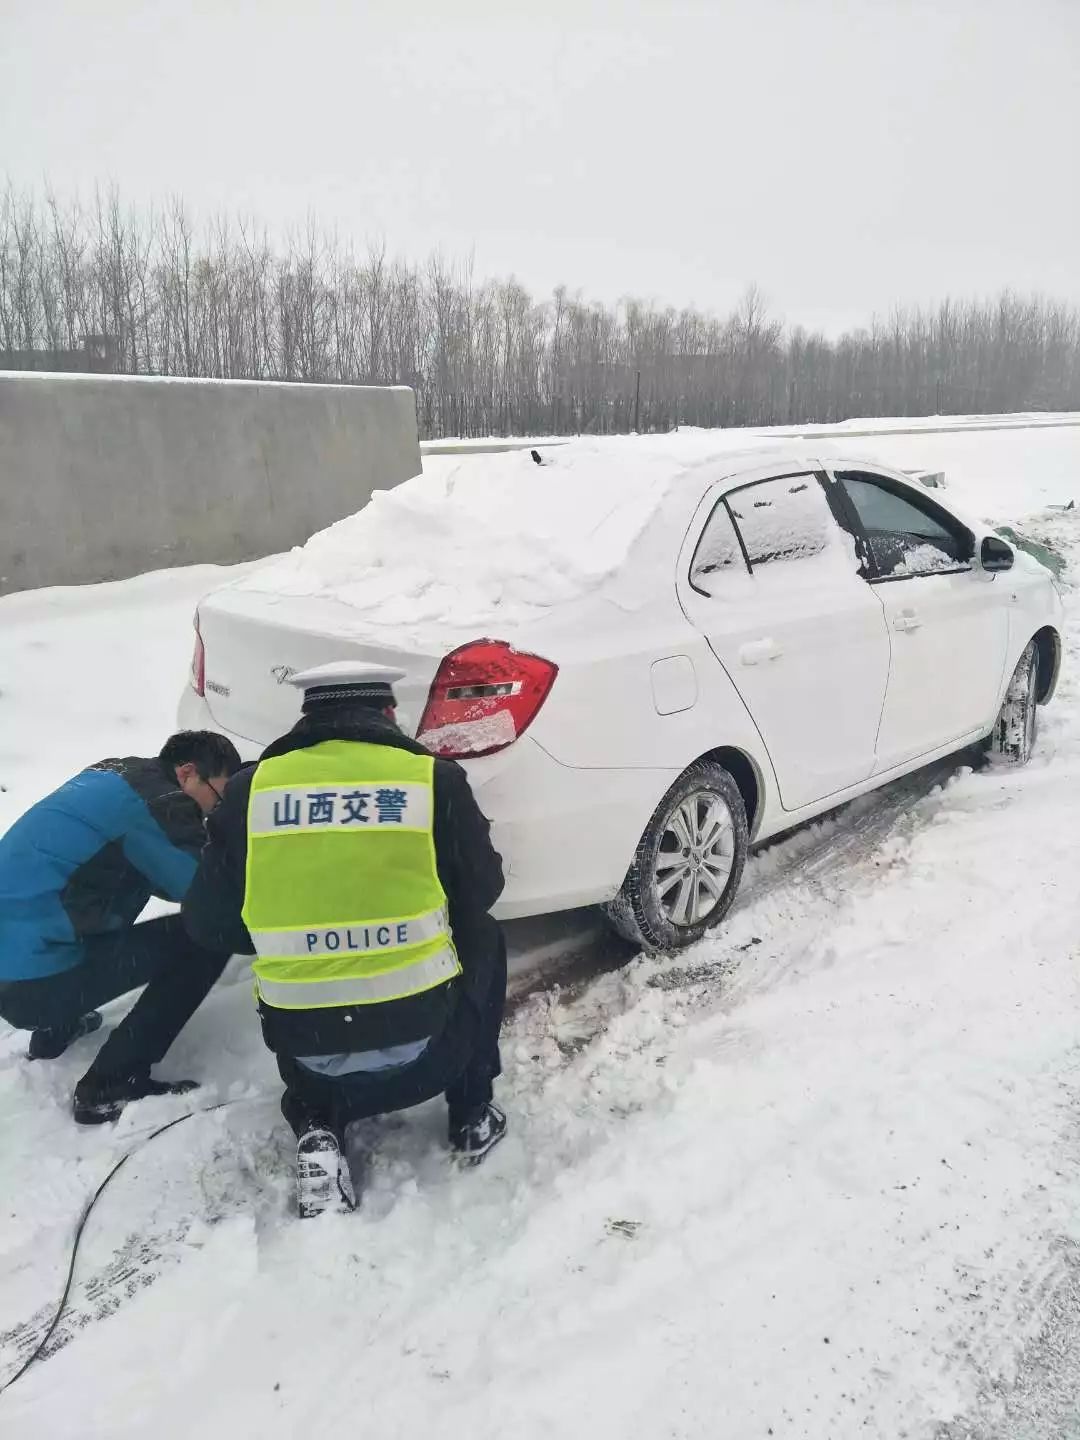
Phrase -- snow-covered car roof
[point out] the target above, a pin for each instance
(479, 540)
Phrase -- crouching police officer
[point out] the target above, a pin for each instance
(359, 871)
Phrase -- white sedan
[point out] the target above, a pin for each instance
(651, 656)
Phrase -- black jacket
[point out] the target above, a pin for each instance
(470, 871)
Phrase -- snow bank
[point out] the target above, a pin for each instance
(88, 671)
(993, 475)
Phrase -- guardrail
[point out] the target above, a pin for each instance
(486, 447)
(939, 426)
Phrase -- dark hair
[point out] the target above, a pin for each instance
(210, 753)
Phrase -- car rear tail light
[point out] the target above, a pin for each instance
(198, 662)
(484, 696)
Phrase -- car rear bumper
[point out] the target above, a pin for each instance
(566, 836)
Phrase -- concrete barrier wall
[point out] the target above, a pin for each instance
(102, 477)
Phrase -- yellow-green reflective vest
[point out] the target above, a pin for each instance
(343, 898)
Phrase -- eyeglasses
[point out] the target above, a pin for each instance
(219, 793)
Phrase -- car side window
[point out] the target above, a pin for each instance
(717, 550)
(906, 539)
(782, 520)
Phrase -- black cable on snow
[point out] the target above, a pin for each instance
(39, 1349)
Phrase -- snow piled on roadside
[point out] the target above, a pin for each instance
(996, 475)
(89, 671)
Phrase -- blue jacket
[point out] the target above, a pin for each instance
(86, 859)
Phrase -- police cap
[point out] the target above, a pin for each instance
(349, 680)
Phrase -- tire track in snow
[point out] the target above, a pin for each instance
(1038, 1398)
(136, 1265)
(1042, 1400)
(140, 1260)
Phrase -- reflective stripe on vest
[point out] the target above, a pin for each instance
(343, 899)
(358, 989)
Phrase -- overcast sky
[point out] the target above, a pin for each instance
(843, 154)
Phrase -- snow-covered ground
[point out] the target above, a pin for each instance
(817, 1178)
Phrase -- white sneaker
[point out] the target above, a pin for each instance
(323, 1181)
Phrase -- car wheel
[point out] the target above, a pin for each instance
(1013, 736)
(688, 863)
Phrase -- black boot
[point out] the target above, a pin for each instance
(50, 1042)
(478, 1133)
(99, 1099)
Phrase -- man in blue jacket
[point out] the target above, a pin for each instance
(75, 872)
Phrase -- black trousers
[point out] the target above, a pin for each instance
(177, 974)
(461, 1062)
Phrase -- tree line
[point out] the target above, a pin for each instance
(103, 286)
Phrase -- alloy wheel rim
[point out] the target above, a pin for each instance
(695, 858)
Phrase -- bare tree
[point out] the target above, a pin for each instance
(484, 356)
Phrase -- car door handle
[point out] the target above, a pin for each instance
(755, 652)
(907, 620)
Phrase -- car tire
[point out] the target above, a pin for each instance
(693, 851)
(1013, 737)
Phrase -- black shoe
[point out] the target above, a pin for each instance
(323, 1181)
(97, 1101)
(51, 1042)
(480, 1133)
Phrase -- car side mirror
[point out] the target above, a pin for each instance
(996, 554)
